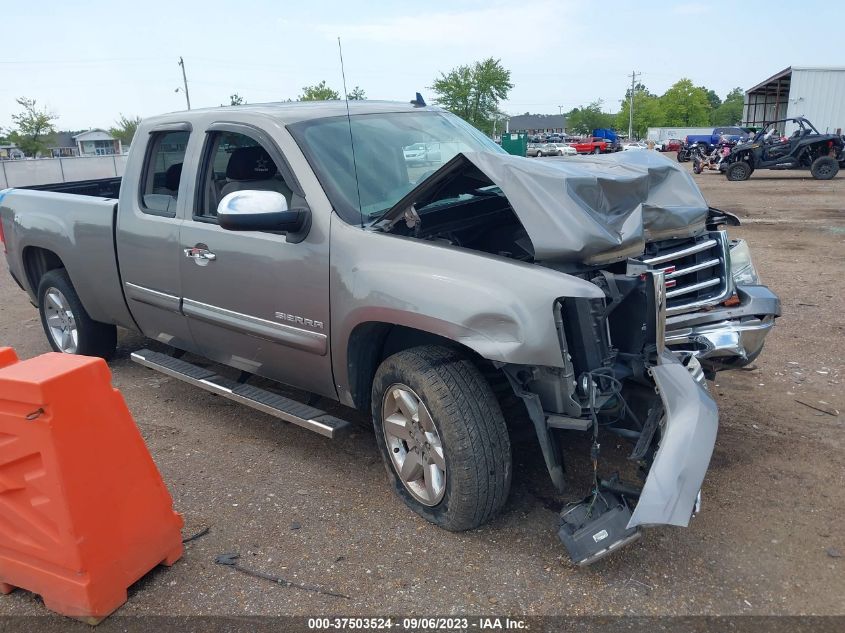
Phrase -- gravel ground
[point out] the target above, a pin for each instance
(768, 540)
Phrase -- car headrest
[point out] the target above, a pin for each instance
(172, 176)
(250, 163)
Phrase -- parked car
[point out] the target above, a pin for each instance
(671, 145)
(636, 145)
(560, 149)
(593, 145)
(255, 237)
(534, 149)
(806, 148)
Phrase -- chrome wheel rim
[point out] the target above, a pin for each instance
(414, 444)
(61, 323)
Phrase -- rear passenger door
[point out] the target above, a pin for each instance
(148, 224)
(254, 300)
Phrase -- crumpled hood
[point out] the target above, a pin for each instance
(587, 209)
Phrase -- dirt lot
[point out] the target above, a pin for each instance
(768, 539)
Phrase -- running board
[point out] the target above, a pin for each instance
(278, 406)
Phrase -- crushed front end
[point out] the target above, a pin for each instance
(717, 309)
(618, 378)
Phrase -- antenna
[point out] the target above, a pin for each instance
(351, 141)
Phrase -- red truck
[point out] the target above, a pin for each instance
(593, 145)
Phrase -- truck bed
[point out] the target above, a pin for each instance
(78, 230)
(100, 187)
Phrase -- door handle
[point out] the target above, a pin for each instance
(200, 255)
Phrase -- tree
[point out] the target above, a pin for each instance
(33, 127)
(125, 129)
(236, 99)
(357, 94)
(730, 112)
(319, 92)
(648, 111)
(684, 105)
(712, 98)
(587, 118)
(474, 92)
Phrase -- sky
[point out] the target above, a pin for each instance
(89, 61)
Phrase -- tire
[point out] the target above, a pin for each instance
(824, 168)
(67, 325)
(467, 423)
(597, 150)
(740, 170)
(683, 157)
(559, 153)
(696, 165)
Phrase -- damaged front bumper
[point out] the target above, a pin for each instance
(603, 522)
(726, 337)
(686, 444)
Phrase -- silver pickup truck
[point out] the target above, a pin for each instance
(295, 242)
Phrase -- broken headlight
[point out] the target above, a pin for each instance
(742, 267)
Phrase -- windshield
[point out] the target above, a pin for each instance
(393, 153)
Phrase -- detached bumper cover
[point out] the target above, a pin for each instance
(733, 335)
(688, 436)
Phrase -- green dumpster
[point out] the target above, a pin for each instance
(516, 143)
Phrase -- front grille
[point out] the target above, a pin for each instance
(695, 270)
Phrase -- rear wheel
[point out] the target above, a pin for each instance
(442, 436)
(597, 150)
(696, 165)
(739, 170)
(67, 325)
(824, 168)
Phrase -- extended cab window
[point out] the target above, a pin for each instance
(235, 162)
(163, 171)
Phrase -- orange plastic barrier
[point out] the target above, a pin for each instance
(84, 512)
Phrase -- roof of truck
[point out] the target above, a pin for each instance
(295, 111)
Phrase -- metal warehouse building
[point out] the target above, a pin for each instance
(813, 92)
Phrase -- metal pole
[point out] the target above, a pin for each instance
(185, 82)
(631, 107)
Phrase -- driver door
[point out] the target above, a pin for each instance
(253, 300)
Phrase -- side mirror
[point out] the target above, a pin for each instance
(253, 210)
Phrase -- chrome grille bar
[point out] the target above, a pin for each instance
(684, 252)
(691, 269)
(694, 287)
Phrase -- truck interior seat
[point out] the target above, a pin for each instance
(171, 181)
(253, 168)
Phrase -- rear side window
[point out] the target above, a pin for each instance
(163, 172)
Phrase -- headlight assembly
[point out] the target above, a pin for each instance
(742, 267)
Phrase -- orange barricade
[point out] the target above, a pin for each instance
(84, 512)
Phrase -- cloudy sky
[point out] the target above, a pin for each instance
(90, 60)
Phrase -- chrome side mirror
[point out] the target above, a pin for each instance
(254, 210)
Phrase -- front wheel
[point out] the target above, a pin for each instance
(697, 166)
(824, 168)
(67, 325)
(597, 150)
(442, 436)
(740, 170)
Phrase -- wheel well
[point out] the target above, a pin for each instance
(370, 343)
(37, 262)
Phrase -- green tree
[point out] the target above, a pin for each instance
(125, 128)
(712, 98)
(236, 99)
(357, 94)
(730, 112)
(684, 105)
(648, 111)
(33, 126)
(319, 92)
(474, 92)
(587, 118)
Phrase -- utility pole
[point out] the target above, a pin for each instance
(631, 105)
(560, 109)
(185, 82)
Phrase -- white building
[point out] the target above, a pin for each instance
(97, 143)
(817, 93)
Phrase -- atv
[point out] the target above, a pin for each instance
(822, 154)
